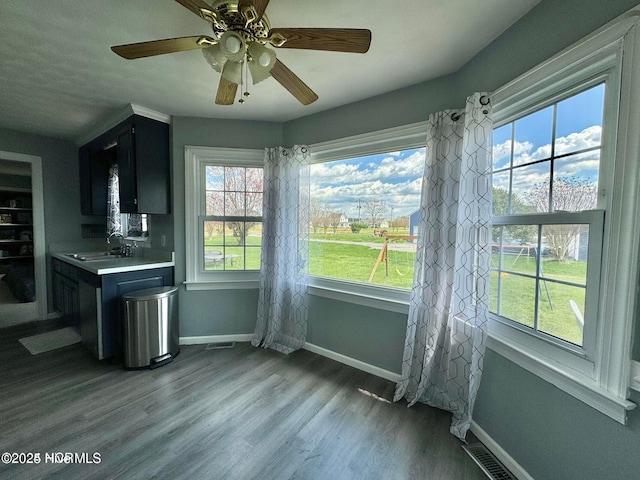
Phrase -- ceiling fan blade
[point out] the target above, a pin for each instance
(259, 5)
(353, 40)
(293, 84)
(195, 6)
(160, 47)
(226, 92)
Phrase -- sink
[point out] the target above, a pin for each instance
(95, 256)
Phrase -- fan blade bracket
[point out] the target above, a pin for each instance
(276, 39)
(206, 41)
(209, 15)
(249, 13)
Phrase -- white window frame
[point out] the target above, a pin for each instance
(599, 57)
(196, 159)
(384, 141)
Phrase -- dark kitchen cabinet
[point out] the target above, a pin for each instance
(65, 292)
(140, 146)
(94, 176)
(92, 303)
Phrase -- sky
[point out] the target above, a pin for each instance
(396, 177)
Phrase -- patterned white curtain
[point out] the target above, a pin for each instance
(447, 324)
(282, 301)
(114, 221)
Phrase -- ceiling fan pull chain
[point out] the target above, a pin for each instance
(244, 84)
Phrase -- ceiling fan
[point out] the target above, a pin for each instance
(241, 33)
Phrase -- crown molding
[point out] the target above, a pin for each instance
(114, 119)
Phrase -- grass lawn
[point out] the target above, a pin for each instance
(353, 262)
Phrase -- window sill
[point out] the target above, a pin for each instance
(392, 300)
(222, 284)
(578, 387)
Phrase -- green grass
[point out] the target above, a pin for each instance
(353, 262)
(517, 300)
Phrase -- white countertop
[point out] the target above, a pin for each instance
(119, 265)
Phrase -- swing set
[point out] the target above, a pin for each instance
(384, 255)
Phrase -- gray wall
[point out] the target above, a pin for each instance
(61, 185)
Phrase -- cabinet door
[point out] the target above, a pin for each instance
(94, 177)
(58, 300)
(127, 172)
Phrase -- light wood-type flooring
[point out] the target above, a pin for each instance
(240, 413)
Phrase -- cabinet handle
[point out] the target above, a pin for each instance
(135, 201)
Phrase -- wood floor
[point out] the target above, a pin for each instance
(241, 413)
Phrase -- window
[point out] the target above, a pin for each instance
(547, 234)
(365, 191)
(223, 217)
(566, 208)
(232, 222)
(361, 215)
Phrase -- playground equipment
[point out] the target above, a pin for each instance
(384, 254)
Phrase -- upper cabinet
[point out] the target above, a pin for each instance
(140, 146)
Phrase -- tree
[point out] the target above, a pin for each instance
(242, 197)
(317, 214)
(374, 210)
(518, 234)
(400, 223)
(333, 220)
(570, 194)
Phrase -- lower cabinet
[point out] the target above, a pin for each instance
(92, 303)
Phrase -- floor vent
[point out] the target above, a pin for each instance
(217, 345)
(489, 464)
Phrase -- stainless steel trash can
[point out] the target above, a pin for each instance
(151, 335)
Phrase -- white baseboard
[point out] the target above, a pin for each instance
(500, 453)
(203, 340)
(352, 362)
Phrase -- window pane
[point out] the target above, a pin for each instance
(212, 233)
(252, 259)
(531, 188)
(565, 249)
(501, 193)
(234, 178)
(234, 204)
(502, 147)
(254, 204)
(214, 203)
(213, 258)
(353, 202)
(533, 137)
(254, 178)
(575, 182)
(519, 248)
(517, 298)
(234, 258)
(579, 121)
(559, 307)
(214, 178)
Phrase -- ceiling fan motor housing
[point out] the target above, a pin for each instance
(228, 17)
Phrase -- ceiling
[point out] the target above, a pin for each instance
(58, 75)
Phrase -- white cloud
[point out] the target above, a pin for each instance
(389, 167)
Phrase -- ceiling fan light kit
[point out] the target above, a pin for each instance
(241, 32)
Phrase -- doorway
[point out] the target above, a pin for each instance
(23, 239)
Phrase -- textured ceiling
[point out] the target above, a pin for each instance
(58, 75)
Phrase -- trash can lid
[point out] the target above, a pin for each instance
(150, 293)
